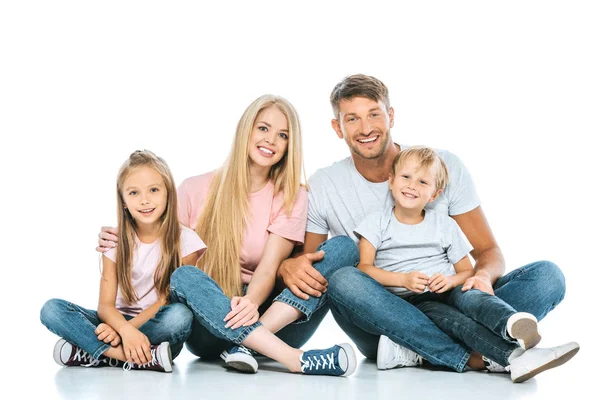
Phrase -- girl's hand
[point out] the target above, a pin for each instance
(244, 312)
(107, 334)
(135, 345)
(414, 281)
(439, 283)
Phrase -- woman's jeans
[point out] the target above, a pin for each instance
(209, 305)
(172, 323)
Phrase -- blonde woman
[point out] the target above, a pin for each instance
(251, 213)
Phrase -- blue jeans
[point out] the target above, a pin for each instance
(172, 323)
(209, 305)
(478, 319)
(365, 310)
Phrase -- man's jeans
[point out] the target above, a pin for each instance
(364, 309)
(172, 323)
(209, 305)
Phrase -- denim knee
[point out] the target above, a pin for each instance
(178, 318)
(551, 279)
(183, 276)
(346, 281)
(51, 311)
(342, 249)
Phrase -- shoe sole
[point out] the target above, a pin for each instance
(57, 350)
(247, 366)
(381, 346)
(552, 364)
(350, 357)
(168, 367)
(526, 332)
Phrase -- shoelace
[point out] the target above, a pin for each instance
(406, 356)
(245, 350)
(326, 361)
(128, 365)
(82, 355)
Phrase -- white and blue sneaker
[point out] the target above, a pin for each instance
(240, 358)
(338, 360)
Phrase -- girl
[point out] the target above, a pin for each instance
(251, 212)
(133, 324)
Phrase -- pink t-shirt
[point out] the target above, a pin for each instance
(145, 260)
(268, 215)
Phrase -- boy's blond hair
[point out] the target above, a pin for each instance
(427, 157)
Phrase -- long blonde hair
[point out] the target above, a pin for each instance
(226, 210)
(169, 231)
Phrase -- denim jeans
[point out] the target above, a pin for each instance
(478, 319)
(365, 310)
(209, 305)
(172, 323)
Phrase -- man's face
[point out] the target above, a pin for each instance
(365, 125)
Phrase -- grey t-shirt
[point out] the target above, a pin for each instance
(339, 197)
(432, 246)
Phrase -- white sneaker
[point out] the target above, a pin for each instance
(523, 327)
(493, 366)
(391, 355)
(534, 361)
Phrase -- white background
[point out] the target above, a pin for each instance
(511, 87)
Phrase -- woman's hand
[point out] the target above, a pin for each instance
(244, 312)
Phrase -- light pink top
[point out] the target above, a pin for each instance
(145, 260)
(268, 215)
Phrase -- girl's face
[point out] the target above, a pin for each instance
(269, 138)
(145, 196)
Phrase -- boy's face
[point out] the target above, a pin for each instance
(365, 126)
(413, 186)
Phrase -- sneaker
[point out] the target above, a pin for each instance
(69, 355)
(392, 355)
(493, 366)
(523, 327)
(338, 360)
(534, 361)
(161, 360)
(240, 357)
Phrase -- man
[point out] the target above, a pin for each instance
(342, 194)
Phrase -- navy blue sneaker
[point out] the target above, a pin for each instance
(240, 358)
(338, 360)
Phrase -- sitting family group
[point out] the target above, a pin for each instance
(237, 263)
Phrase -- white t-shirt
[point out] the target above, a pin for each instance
(339, 197)
(145, 260)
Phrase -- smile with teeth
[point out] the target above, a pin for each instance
(409, 195)
(368, 140)
(146, 211)
(266, 151)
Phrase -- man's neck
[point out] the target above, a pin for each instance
(378, 169)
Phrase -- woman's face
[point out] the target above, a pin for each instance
(269, 138)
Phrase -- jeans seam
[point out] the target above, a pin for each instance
(293, 303)
(459, 367)
(104, 346)
(238, 340)
(443, 317)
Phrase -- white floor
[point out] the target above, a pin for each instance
(38, 377)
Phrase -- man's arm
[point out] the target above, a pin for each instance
(489, 261)
(297, 272)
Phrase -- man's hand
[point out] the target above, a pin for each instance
(480, 282)
(107, 239)
(301, 277)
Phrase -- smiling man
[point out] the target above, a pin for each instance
(340, 197)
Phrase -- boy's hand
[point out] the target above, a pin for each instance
(414, 281)
(439, 283)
